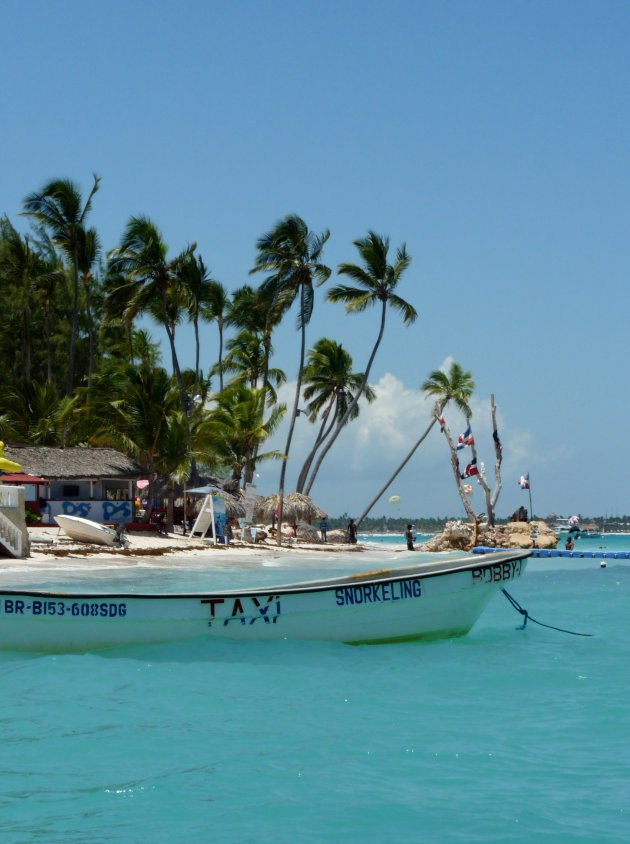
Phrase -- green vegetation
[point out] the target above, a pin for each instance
(78, 370)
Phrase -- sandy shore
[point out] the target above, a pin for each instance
(53, 543)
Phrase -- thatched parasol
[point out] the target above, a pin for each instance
(296, 507)
(234, 508)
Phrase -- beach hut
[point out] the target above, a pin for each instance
(92, 483)
(296, 507)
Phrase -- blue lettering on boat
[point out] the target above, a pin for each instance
(497, 573)
(82, 609)
(242, 612)
(377, 593)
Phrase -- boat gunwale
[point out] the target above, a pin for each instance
(420, 570)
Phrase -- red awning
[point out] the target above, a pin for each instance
(20, 478)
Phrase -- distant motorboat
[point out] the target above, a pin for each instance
(432, 600)
(84, 530)
(571, 527)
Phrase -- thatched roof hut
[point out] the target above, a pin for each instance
(295, 508)
(75, 462)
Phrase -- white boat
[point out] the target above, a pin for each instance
(84, 530)
(564, 527)
(425, 601)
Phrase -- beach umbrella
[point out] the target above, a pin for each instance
(296, 507)
(234, 507)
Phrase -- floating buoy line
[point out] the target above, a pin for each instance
(541, 553)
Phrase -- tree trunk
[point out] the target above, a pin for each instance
(75, 320)
(92, 340)
(197, 350)
(351, 406)
(298, 389)
(321, 436)
(455, 466)
(26, 344)
(220, 325)
(397, 472)
(170, 506)
(498, 457)
(170, 332)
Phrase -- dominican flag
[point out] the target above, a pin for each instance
(465, 439)
(470, 470)
(523, 481)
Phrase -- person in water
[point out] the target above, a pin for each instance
(410, 538)
(569, 543)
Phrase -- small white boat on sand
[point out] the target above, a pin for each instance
(431, 600)
(84, 530)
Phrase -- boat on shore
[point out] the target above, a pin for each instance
(432, 600)
(85, 530)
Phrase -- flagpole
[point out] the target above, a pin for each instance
(529, 489)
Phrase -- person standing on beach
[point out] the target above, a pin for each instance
(323, 529)
(410, 538)
(352, 532)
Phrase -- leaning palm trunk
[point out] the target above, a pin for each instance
(351, 406)
(170, 333)
(321, 436)
(249, 472)
(397, 472)
(298, 389)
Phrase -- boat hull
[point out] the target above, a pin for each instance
(84, 530)
(422, 602)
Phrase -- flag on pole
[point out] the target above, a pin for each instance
(442, 422)
(523, 481)
(465, 439)
(470, 470)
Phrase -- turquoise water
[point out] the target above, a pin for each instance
(505, 735)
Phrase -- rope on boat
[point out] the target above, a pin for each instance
(527, 616)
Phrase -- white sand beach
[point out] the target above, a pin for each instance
(51, 543)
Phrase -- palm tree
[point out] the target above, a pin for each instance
(377, 282)
(456, 386)
(200, 289)
(247, 360)
(235, 429)
(59, 208)
(35, 413)
(330, 385)
(214, 308)
(23, 268)
(137, 419)
(153, 283)
(292, 255)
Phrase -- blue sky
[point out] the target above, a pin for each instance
(491, 137)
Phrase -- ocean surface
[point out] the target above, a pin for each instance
(505, 735)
